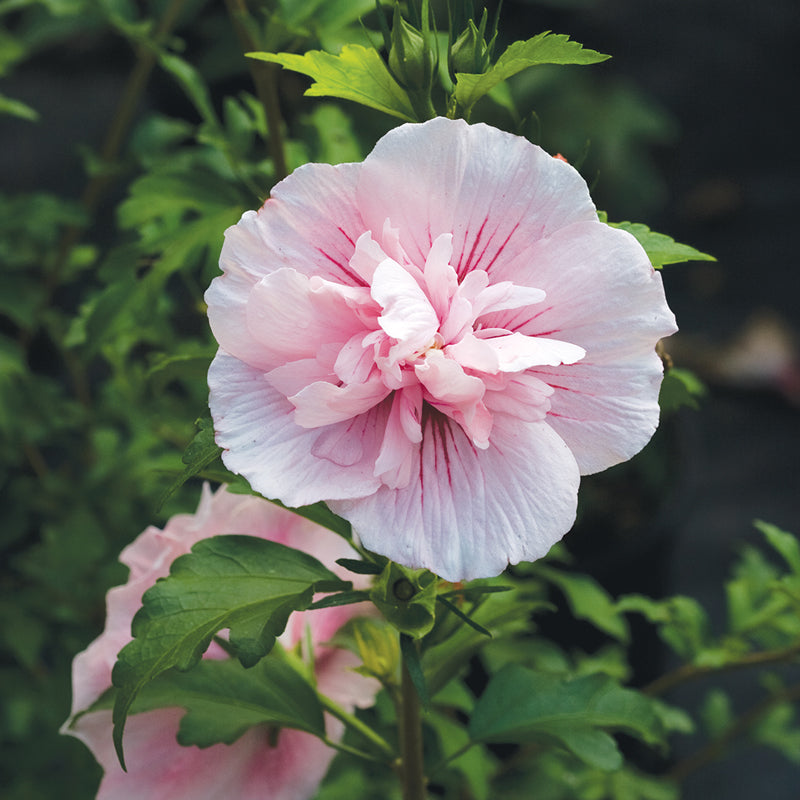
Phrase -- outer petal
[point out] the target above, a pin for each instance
(468, 513)
(160, 769)
(310, 223)
(291, 317)
(442, 177)
(255, 425)
(603, 295)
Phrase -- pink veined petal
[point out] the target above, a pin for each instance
(473, 353)
(603, 295)
(254, 424)
(458, 395)
(408, 316)
(401, 439)
(517, 352)
(356, 359)
(311, 225)
(521, 396)
(324, 403)
(292, 377)
(606, 416)
(291, 315)
(468, 513)
(504, 295)
(442, 177)
(440, 277)
(311, 222)
(446, 381)
(368, 254)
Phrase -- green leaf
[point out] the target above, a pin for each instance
(407, 598)
(223, 699)
(341, 599)
(192, 83)
(201, 451)
(453, 608)
(357, 73)
(546, 48)
(521, 705)
(16, 108)
(784, 543)
(680, 387)
(244, 584)
(587, 600)
(660, 248)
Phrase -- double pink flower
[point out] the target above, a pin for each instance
(438, 342)
(252, 768)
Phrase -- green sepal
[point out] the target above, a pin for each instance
(521, 705)
(358, 73)
(245, 584)
(413, 663)
(407, 598)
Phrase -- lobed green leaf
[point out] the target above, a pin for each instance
(522, 705)
(660, 248)
(545, 48)
(358, 73)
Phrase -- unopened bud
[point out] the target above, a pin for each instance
(470, 53)
(410, 58)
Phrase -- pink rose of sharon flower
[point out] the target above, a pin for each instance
(438, 342)
(251, 768)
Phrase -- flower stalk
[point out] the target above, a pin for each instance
(412, 768)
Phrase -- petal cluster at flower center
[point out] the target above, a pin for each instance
(406, 334)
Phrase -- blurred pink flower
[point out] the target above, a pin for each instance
(249, 769)
(437, 342)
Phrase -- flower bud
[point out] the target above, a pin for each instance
(410, 58)
(470, 53)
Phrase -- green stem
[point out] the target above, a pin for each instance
(412, 768)
(265, 80)
(689, 672)
(352, 751)
(357, 725)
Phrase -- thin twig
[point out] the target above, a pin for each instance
(689, 672)
(714, 749)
